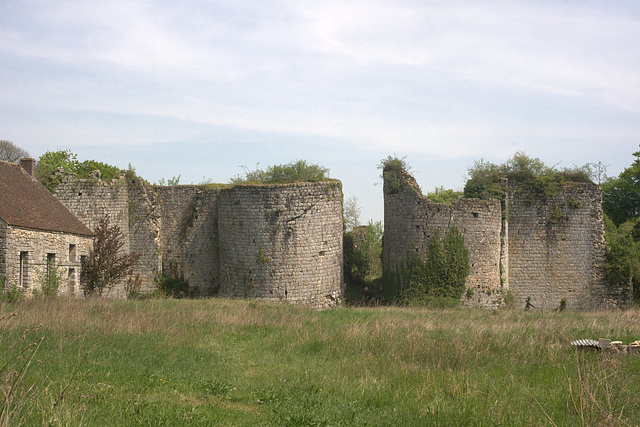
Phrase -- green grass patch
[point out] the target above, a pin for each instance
(224, 362)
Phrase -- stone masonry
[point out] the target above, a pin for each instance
(282, 242)
(547, 251)
(410, 219)
(42, 251)
(229, 240)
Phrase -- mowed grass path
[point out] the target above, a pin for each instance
(224, 362)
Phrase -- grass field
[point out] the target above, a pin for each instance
(222, 362)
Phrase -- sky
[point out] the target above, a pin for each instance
(203, 89)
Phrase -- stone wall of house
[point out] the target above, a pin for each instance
(557, 249)
(42, 250)
(282, 242)
(410, 219)
(3, 246)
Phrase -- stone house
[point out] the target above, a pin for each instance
(39, 237)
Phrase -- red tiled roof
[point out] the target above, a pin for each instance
(24, 202)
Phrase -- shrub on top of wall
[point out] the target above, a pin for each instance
(50, 161)
(543, 181)
(299, 171)
(393, 168)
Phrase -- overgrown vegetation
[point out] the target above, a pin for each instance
(50, 161)
(107, 264)
(486, 178)
(621, 205)
(443, 195)
(247, 363)
(299, 171)
(171, 182)
(438, 281)
(17, 361)
(11, 292)
(392, 168)
(51, 281)
(363, 253)
(172, 284)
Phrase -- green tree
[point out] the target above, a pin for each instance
(363, 252)
(622, 265)
(621, 195)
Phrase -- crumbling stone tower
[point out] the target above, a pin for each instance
(545, 250)
(280, 242)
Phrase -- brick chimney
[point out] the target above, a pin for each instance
(29, 165)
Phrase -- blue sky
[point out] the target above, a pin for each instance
(198, 88)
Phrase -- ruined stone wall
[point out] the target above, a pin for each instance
(91, 199)
(557, 249)
(65, 250)
(144, 231)
(189, 235)
(282, 242)
(410, 219)
(289, 235)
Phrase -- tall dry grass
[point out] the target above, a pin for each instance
(246, 363)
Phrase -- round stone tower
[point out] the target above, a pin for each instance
(282, 242)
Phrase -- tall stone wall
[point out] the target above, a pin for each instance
(189, 235)
(285, 241)
(282, 242)
(144, 214)
(546, 251)
(557, 249)
(91, 199)
(410, 219)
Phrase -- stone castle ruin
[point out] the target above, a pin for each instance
(540, 251)
(283, 242)
(280, 242)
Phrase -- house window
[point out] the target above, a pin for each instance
(51, 264)
(72, 253)
(23, 274)
(72, 281)
(83, 262)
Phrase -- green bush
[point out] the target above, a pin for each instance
(174, 285)
(392, 169)
(446, 196)
(11, 292)
(438, 281)
(51, 282)
(363, 253)
(299, 171)
(50, 161)
(542, 181)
